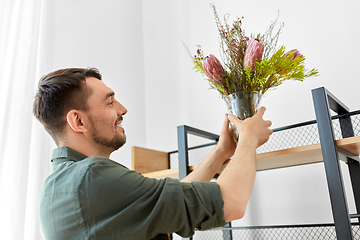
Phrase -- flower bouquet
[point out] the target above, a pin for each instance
(251, 65)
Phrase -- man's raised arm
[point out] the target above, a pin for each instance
(237, 179)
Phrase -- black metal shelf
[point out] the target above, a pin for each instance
(324, 130)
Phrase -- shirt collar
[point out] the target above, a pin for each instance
(67, 153)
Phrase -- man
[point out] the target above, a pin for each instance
(89, 196)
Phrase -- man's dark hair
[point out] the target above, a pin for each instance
(58, 93)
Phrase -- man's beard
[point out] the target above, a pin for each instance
(113, 144)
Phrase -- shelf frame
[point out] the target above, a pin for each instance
(329, 151)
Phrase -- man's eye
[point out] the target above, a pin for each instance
(111, 103)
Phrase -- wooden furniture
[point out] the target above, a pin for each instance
(329, 151)
(146, 161)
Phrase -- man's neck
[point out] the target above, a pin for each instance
(87, 149)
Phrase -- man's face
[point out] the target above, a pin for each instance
(105, 116)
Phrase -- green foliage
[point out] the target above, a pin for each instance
(198, 67)
(272, 72)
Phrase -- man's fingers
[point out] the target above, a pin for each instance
(268, 123)
(226, 122)
(233, 118)
(261, 111)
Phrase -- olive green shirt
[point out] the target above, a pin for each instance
(97, 198)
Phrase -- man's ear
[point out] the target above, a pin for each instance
(75, 120)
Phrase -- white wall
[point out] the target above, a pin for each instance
(137, 45)
(106, 35)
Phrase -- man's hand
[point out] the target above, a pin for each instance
(251, 128)
(254, 129)
(226, 145)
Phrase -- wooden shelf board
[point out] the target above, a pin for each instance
(173, 173)
(289, 157)
(282, 158)
(351, 144)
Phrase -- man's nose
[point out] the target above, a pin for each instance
(121, 109)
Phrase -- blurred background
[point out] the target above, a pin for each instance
(138, 46)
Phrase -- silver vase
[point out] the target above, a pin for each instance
(243, 105)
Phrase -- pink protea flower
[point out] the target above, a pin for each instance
(253, 53)
(214, 70)
(295, 53)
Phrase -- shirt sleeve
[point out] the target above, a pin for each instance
(124, 203)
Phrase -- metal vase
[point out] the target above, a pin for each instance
(243, 105)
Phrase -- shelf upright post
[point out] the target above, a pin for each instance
(183, 151)
(323, 102)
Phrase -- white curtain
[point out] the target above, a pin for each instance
(24, 147)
